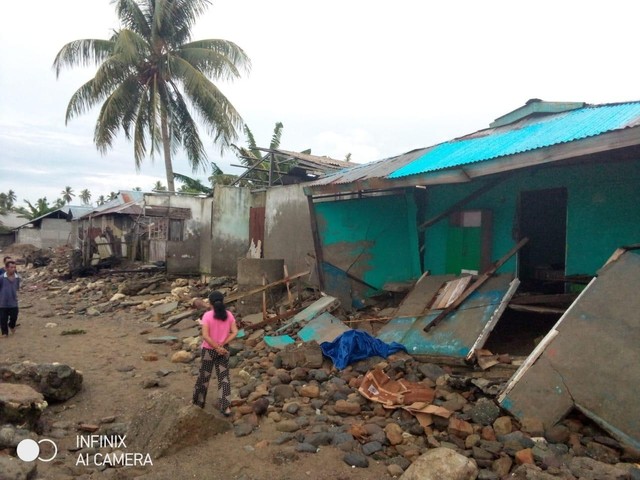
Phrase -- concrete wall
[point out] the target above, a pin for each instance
(184, 257)
(374, 239)
(287, 227)
(229, 230)
(602, 212)
(53, 232)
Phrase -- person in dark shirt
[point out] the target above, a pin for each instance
(9, 286)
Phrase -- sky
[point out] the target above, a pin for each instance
(367, 77)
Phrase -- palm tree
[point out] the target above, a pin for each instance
(10, 199)
(137, 189)
(149, 71)
(101, 200)
(158, 187)
(67, 194)
(85, 196)
(112, 196)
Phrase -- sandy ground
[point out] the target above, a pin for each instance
(110, 355)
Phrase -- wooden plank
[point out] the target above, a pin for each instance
(238, 296)
(456, 206)
(477, 284)
(561, 298)
(537, 309)
(450, 292)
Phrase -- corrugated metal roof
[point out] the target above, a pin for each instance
(377, 169)
(529, 134)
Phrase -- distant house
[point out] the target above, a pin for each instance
(564, 175)
(53, 229)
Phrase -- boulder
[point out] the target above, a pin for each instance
(441, 463)
(167, 425)
(20, 405)
(56, 381)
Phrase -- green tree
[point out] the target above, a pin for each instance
(40, 208)
(7, 201)
(112, 196)
(101, 200)
(67, 194)
(137, 189)
(158, 187)
(256, 160)
(85, 196)
(151, 76)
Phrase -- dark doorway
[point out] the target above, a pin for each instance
(543, 219)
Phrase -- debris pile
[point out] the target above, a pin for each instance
(420, 419)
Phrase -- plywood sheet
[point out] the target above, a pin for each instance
(418, 299)
(590, 358)
(463, 330)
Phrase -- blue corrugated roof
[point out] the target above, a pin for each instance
(529, 134)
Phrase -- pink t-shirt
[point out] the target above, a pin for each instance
(218, 329)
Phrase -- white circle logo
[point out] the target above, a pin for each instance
(28, 450)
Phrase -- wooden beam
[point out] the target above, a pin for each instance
(238, 296)
(477, 284)
(456, 206)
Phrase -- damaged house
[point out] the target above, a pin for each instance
(139, 226)
(495, 240)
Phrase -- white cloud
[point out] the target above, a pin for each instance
(368, 77)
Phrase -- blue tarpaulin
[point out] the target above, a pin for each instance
(357, 345)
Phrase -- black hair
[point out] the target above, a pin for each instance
(216, 299)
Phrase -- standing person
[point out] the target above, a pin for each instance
(218, 329)
(9, 286)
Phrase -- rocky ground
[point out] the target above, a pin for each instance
(295, 415)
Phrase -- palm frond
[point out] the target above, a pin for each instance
(277, 134)
(82, 53)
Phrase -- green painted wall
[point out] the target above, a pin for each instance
(603, 212)
(375, 238)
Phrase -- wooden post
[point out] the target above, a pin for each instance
(286, 275)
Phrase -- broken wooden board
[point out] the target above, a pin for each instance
(419, 299)
(463, 330)
(324, 328)
(323, 304)
(278, 341)
(589, 359)
(450, 292)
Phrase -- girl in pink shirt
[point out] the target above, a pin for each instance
(218, 329)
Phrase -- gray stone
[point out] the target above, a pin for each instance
(355, 459)
(371, 448)
(342, 437)
(20, 404)
(242, 429)
(602, 453)
(589, 469)
(12, 468)
(288, 426)
(166, 425)
(284, 438)
(487, 475)
(441, 463)
(320, 438)
(163, 339)
(56, 381)
(484, 412)
(307, 355)
(431, 371)
(306, 448)
(281, 393)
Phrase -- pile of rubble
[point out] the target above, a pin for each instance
(366, 410)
